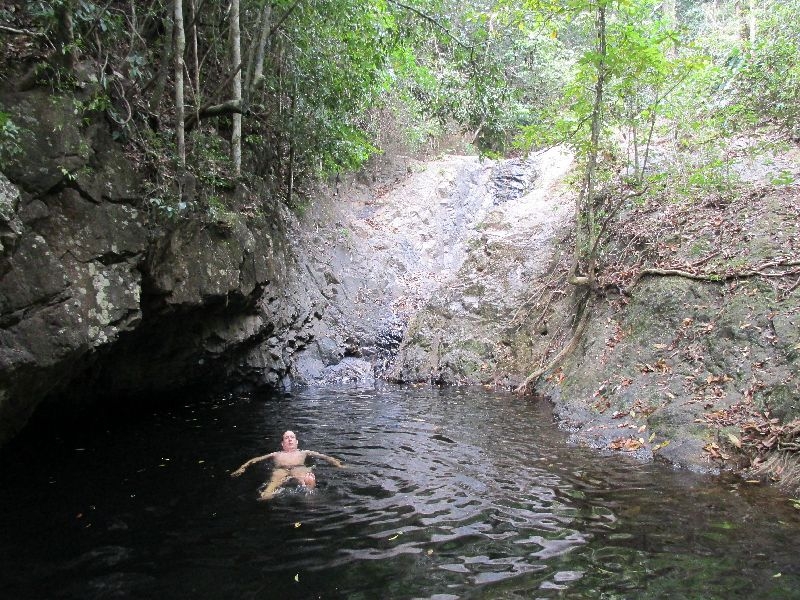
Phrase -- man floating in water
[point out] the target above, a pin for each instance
(289, 464)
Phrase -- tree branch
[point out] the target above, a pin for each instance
(229, 107)
(607, 221)
(285, 16)
(191, 120)
(433, 21)
(14, 31)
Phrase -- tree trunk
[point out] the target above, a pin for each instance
(163, 69)
(671, 19)
(290, 178)
(66, 49)
(236, 61)
(198, 100)
(746, 14)
(180, 47)
(134, 30)
(586, 245)
(669, 12)
(258, 67)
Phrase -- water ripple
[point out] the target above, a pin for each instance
(446, 494)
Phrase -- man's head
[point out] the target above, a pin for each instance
(289, 441)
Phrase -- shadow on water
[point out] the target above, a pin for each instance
(445, 494)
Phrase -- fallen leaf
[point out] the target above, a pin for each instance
(626, 444)
(715, 452)
(735, 440)
(663, 444)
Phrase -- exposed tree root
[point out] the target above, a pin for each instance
(779, 268)
(526, 386)
(758, 271)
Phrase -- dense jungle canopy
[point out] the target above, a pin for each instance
(297, 89)
(292, 91)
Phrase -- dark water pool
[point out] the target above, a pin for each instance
(447, 494)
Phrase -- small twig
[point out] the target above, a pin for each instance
(127, 105)
(14, 31)
(430, 19)
(793, 287)
(98, 18)
(611, 214)
(703, 261)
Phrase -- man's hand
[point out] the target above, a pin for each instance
(237, 472)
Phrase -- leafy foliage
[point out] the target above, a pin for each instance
(9, 138)
(768, 81)
(511, 75)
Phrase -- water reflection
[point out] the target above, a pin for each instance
(446, 494)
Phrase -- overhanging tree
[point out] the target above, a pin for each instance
(619, 81)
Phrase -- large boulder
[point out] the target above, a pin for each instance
(69, 284)
(102, 300)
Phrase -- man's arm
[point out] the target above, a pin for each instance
(252, 461)
(334, 461)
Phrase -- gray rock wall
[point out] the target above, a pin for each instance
(666, 372)
(100, 301)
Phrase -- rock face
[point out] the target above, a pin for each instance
(434, 267)
(682, 362)
(667, 371)
(448, 271)
(475, 328)
(98, 298)
(678, 351)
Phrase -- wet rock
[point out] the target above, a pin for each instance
(10, 224)
(512, 179)
(460, 333)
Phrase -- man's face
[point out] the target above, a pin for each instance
(289, 441)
